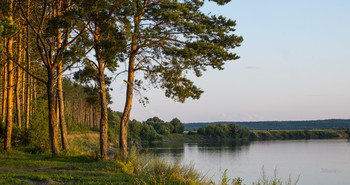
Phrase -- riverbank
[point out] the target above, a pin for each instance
(81, 165)
(298, 134)
(193, 136)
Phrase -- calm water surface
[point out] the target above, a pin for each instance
(321, 162)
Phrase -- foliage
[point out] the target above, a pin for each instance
(113, 124)
(36, 137)
(225, 131)
(178, 126)
(8, 28)
(148, 133)
(174, 38)
(164, 128)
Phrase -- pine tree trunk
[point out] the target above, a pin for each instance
(1, 92)
(53, 124)
(123, 137)
(27, 111)
(4, 97)
(62, 118)
(9, 116)
(104, 116)
(123, 140)
(18, 83)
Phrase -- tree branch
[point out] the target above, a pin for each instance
(75, 62)
(23, 68)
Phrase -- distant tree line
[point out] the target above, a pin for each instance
(225, 131)
(234, 131)
(280, 125)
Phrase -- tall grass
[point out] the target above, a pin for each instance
(265, 180)
(150, 170)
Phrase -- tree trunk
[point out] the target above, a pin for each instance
(123, 140)
(18, 83)
(1, 92)
(62, 118)
(28, 76)
(104, 115)
(18, 101)
(9, 116)
(53, 124)
(123, 137)
(4, 97)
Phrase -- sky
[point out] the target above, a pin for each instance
(294, 65)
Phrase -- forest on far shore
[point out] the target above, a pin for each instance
(279, 125)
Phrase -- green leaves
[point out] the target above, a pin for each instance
(175, 38)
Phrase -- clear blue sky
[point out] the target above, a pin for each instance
(294, 65)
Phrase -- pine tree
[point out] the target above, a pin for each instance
(108, 44)
(168, 39)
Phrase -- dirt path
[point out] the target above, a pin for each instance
(90, 134)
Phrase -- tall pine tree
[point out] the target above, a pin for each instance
(169, 38)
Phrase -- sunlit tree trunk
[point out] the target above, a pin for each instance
(62, 118)
(123, 140)
(4, 97)
(9, 116)
(18, 82)
(28, 78)
(53, 123)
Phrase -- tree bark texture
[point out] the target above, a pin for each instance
(27, 111)
(62, 118)
(9, 115)
(53, 123)
(18, 83)
(4, 97)
(104, 117)
(123, 140)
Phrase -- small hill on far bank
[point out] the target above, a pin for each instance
(280, 125)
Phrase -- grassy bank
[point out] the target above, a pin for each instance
(81, 165)
(20, 167)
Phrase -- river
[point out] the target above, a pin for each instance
(321, 162)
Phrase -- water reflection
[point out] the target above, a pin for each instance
(178, 149)
(318, 161)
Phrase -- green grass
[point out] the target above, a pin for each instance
(20, 167)
(80, 165)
